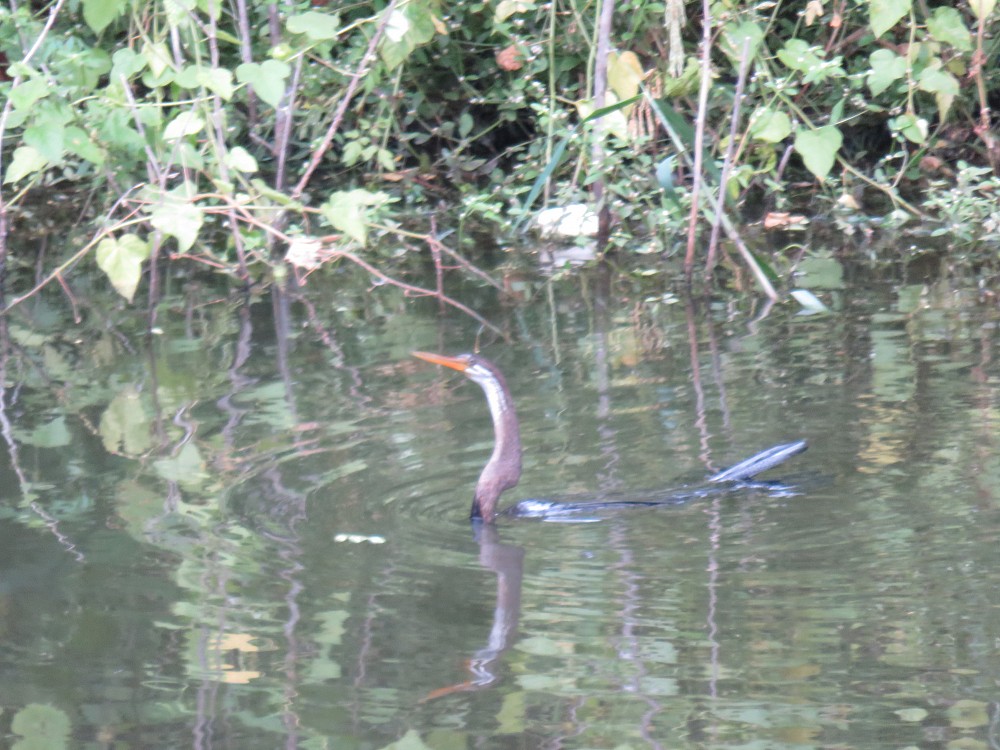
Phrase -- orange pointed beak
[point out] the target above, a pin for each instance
(455, 363)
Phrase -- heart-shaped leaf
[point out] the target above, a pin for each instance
(267, 78)
(818, 148)
(121, 259)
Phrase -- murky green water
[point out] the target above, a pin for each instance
(251, 530)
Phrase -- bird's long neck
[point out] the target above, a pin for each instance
(503, 470)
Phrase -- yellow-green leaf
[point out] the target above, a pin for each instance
(185, 124)
(506, 8)
(124, 425)
(982, 8)
(26, 160)
(158, 58)
(242, 161)
(624, 74)
(177, 216)
(314, 24)
(347, 210)
(770, 125)
(121, 259)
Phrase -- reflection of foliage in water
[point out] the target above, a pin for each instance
(205, 479)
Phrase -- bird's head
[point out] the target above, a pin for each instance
(474, 367)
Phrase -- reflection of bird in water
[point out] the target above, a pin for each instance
(503, 470)
(507, 561)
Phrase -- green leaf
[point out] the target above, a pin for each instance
(347, 210)
(736, 37)
(45, 726)
(27, 160)
(47, 136)
(837, 112)
(982, 8)
(818, 148)
(936, 80)
(124, 426)
(942, 84)
(52, 434)
(25, 94)
(178, 217)
(946, 26)
(409, 27)
(217, 80)
(117, 130)
(538, 645)
(268, 79)
(99, 13)
(770, 125)
(121, 259)
(125, 63)
(157, 58)
(83, 69)
(799, 55)
(607, 109)
(465, 125)
(79, 143)
(884, 14)
(315, 25)
(177, 11)
(913, 128)
(186, 467)
(886, 68)
(685, 84)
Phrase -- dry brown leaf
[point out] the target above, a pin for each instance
(780, 219)
(510, 58)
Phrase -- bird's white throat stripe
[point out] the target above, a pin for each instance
(495, 396)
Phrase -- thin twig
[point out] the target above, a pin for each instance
(432, 240)
(699, 136)
(727, 164)
(344, 103)
(607, 12)
(66, 265)
(416, 291)
(982, 128)
(727, 225)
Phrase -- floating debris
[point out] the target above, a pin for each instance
(359, 538)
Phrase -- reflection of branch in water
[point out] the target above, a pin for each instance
(507, 561)
(699, 393)
(51, 523)
(629, 649)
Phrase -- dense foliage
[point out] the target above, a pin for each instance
(237, 134)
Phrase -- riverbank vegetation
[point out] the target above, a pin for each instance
(264, 139)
